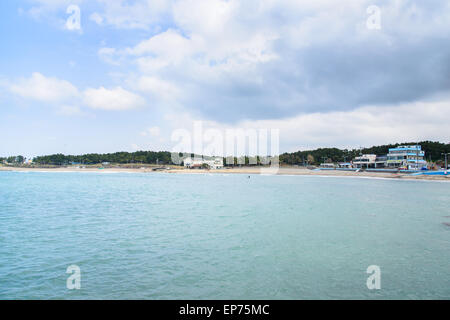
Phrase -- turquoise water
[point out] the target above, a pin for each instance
(174, 236)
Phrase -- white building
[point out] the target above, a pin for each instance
(216, 163)
(365, 161)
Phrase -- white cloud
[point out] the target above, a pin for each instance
(46, 8)
(366, 126)
(171, 49)
(136, 15)
(260, 59)
(209, 17)
(310, 67)
(65, 95)
(112, 99)
(45, 89)
(157, 87)
(109, 55)
(152, 131)
(96, 18)
(168, 47)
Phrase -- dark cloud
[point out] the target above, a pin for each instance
(407, 60)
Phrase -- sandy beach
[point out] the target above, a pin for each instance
(241, 170)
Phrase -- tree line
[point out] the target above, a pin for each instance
(433, 152)
(146, 157)
(143, 157)
(13, 159)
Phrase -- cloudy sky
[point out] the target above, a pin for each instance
(323, 72)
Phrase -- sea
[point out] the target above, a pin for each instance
(75, 235)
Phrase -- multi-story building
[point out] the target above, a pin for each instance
(365, 161)
(409, 157)
(380, 162)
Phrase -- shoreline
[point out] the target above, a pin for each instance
(293, 171)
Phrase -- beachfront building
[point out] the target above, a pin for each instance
(345, 165)
(365, 161)
(409, 157)
(370, 161)
(381, 162)
(216, 163)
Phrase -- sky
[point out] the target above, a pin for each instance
(104, 76)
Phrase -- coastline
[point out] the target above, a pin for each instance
(243, 170)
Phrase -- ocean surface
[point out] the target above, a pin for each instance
(195, 236)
